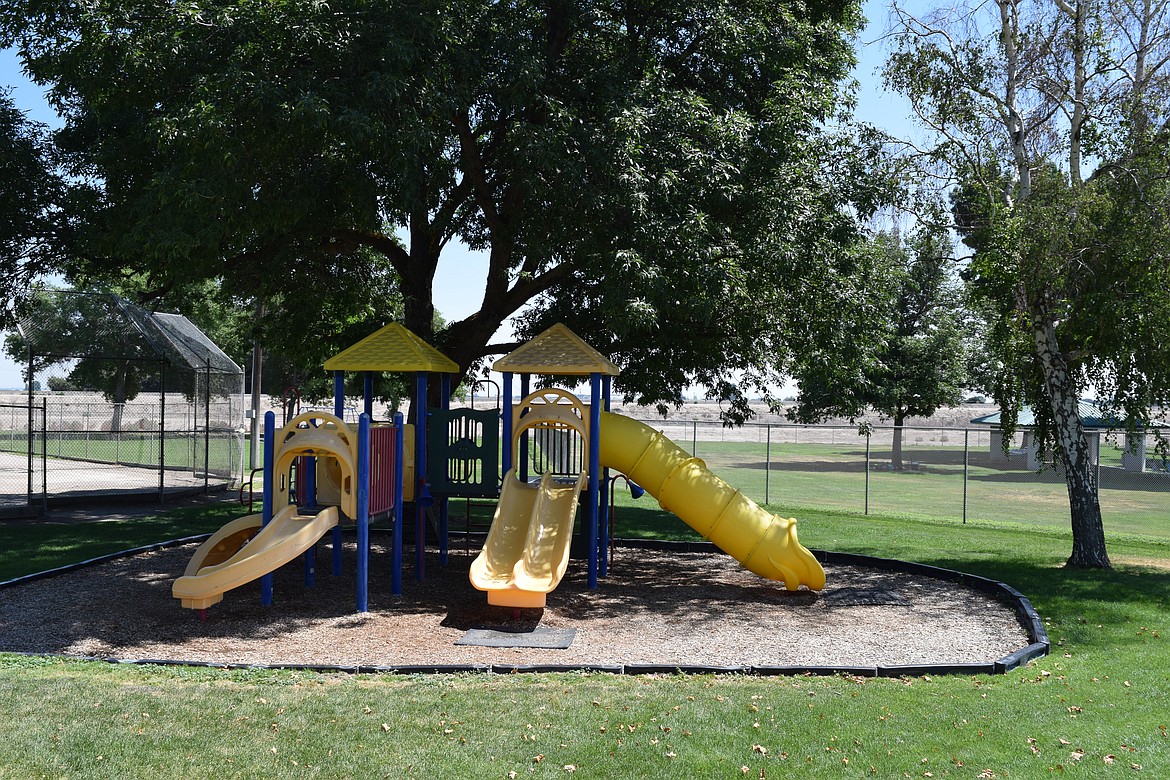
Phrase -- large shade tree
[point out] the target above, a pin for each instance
(1051, 119)
(660, 176)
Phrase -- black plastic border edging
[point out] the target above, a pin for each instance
(1030, 620)
(72, 567)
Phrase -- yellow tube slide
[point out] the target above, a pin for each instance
(764, 543)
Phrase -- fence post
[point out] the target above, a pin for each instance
(694, 438)
(1098, 438)
(162, 431)
(31, 441)
(966, 468)
(207, 429)
(867, 472)
(768, 466)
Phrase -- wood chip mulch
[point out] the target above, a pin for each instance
(654, 608)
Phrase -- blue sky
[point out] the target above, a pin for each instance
(459, 282)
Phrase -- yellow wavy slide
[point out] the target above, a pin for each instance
(527, 548)
(286, 536)
(763, 543)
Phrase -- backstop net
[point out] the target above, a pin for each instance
(133, 401)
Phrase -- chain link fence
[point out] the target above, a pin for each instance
(956, 474)
(131, 402)
(22, 470)
(162, 445)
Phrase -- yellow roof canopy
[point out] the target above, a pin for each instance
(392, 348)
(556, 351)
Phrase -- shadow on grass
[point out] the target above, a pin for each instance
(29, 547)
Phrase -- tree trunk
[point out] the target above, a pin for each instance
(1088, 529)
(896, 450)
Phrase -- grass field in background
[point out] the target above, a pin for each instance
(131, 447)
(1095, 708)
(821, 476)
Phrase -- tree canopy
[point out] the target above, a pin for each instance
(28, 195)
(672, 180)
(1051, 121)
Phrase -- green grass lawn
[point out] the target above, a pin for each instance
(1097, 707)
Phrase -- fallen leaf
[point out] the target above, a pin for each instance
(1077, 754)
(570, 768)
(1109, 759)
(760, 749)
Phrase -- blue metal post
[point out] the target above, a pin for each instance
(506, 433)
(339, 394)
(603, 536)
(339, 412)
(522, 455)
(363, 513)
(420, 473)
(396, 549)
(269, 486)
(444, 501)
(594, 475)
(368, 393)
(309, 502)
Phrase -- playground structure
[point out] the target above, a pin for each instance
(316, 459)
(251, 547)
(563, 449)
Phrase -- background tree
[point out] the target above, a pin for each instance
(639, 171)
(299, 330)
(86, 335)
(918, 363)
(1052, 118)
(28, 194)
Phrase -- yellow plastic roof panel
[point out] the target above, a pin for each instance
(393, 348)
(556, 351)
